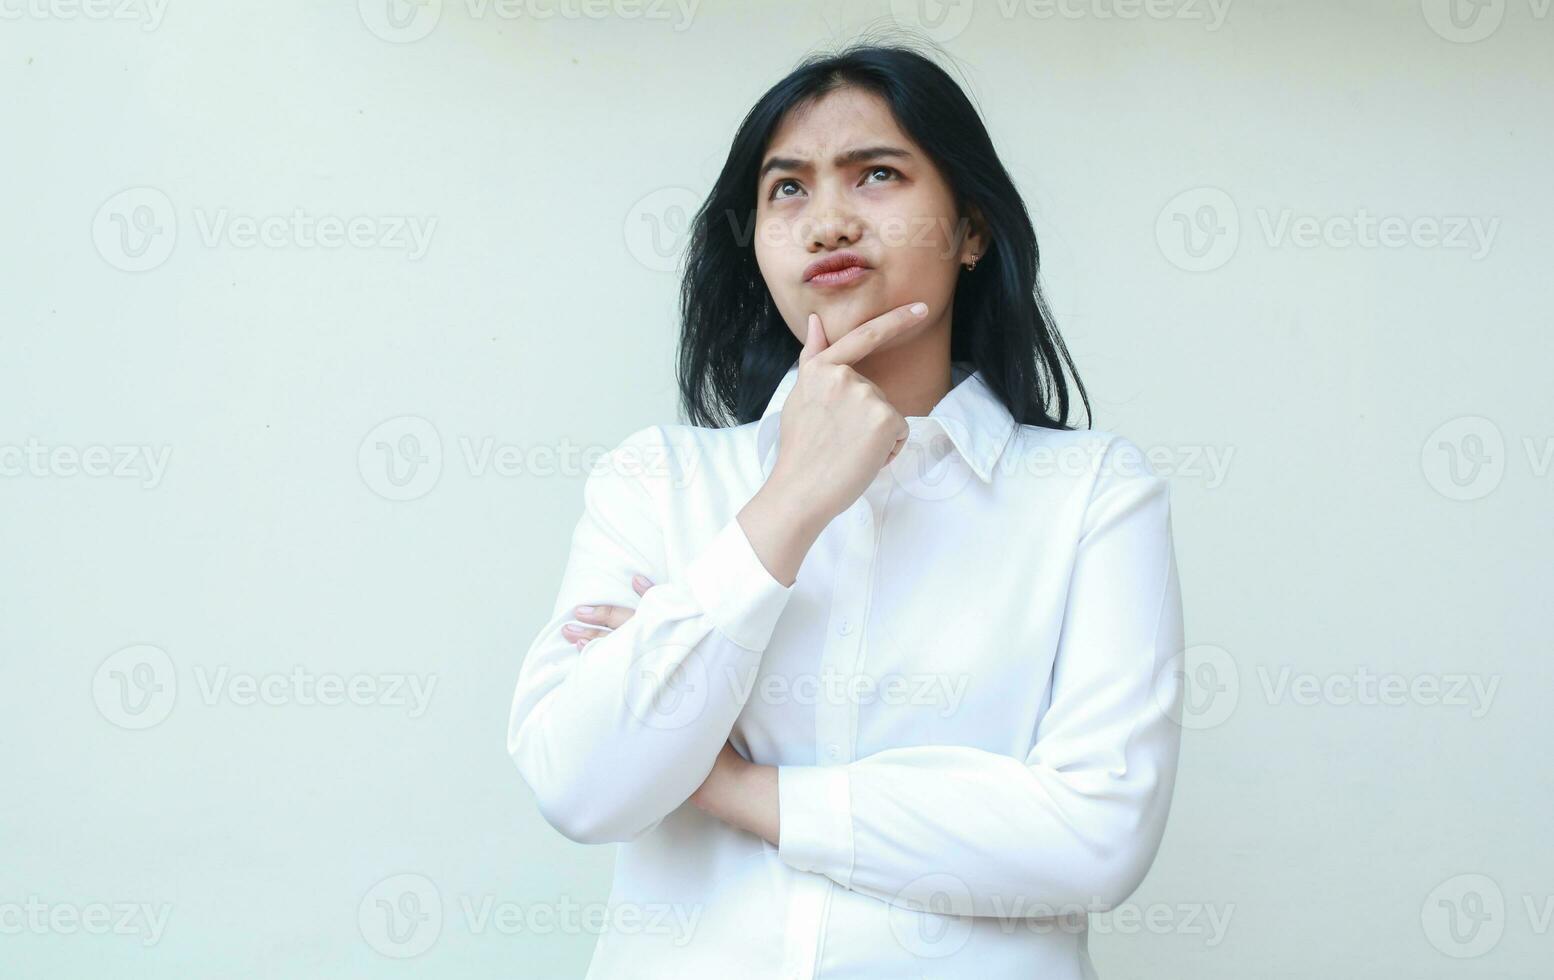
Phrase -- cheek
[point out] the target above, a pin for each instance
(770, 246)
(778, 273)
(770, 263)
(772, 267)
(922, 265)
(916, 236)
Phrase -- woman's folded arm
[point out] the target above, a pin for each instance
(614, 737)
(1076, 822)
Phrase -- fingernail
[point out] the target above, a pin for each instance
(570, 628)
(641, 580)
(585, 610)
(919, 308)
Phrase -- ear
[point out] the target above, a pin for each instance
(976, 241)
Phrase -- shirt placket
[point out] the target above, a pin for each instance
(836, 710)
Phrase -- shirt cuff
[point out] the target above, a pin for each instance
(815, 820)
(740, 596)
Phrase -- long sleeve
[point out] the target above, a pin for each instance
(1076, 823)
(614, 737)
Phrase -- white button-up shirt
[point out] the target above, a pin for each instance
(971, 692)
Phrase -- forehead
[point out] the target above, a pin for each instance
(845, 117)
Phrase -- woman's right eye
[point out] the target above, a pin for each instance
(779, 185)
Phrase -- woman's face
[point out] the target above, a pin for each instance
(841, 177)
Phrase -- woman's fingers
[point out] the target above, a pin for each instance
(580, 635)
(871, 334)
(814, 338)
(602, 619)
(609, 617)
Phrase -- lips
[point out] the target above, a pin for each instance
(834, 263)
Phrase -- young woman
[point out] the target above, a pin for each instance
(870, 668)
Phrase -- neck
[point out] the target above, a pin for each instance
(914, 376)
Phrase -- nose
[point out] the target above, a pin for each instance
(835, 225)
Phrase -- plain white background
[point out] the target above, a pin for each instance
(1300, 250)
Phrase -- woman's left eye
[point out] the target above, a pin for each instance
(878, 170)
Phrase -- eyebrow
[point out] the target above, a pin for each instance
(847, 159)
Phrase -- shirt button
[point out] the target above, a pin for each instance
(845, 627)
(863, 516)
(834, 751)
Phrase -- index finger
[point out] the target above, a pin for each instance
(867, 336)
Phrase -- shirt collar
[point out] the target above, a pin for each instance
(976, 422)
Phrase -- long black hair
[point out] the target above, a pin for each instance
(734, 345)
